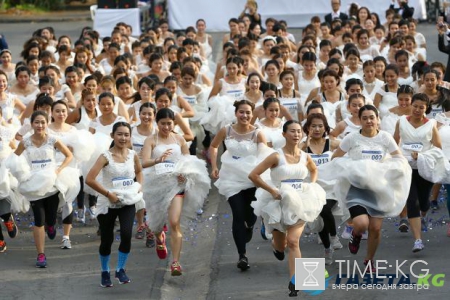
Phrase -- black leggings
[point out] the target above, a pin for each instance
(5, 218)
(329, 225)
(193, 147)
(68, 219)
(242, 215)
(126, 218)
(418, 195)
(207, 141)
(80, 196)
(45, 210)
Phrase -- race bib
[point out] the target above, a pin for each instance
(296, 184)
(291, 105)
(417, 147)
(191, 99)
(372, 155)
(236, 94)
(434, 112)
(37, 165)
(320, 159)
(137, 147)
(165, 167)
(122, 183)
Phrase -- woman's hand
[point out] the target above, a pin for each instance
(181, 179)
(414, 155)
(215, 173)
(112, 197)
(163, 157)
(276, 194)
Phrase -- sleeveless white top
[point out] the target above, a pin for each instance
(7, 106)
(105, 129)
(286, 171)
(6, 136)
(28, 98)
(241, 145)
(61, 94)
(137, 139)
(305, 86)
(351, 127)
(159, 149)
(235, 91)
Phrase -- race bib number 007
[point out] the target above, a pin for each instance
(122, 183)
(417, 147)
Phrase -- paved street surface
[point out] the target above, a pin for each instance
(209, 255)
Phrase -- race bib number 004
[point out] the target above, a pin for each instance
(372, 155)
(165, 167)
(122, 183)
(37, 165)
(296, 184)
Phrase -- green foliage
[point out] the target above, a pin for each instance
(33, 5)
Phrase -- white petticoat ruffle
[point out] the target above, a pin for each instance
(129, 196)
(293, 207)
(9, 191)
(82, 143)
(221, 113)
(387, 182)
(159, 190)
(433, 166)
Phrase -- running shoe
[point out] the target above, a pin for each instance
(92, 212)
(106, 280)
(263, 231)
(418, 246)
(41, 261)
(371, 268)
(51, 232)
(278, 254)
(423, 224)
(353, 244)
(175, 269)
(150, 240)
(81, 215)
(165, 229)
(11, 227)
(335, 243)
(347, 233)
(403, 226)
(140, 233)
(434, 205)
(329, 256)
(2, 246)
(161, 248)
(243, 263)
(199, 212)
(122, 277)
(292, 291)
(448, 229)
(66, 244)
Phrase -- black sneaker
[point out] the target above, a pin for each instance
(106, 280)
(434, 205)
(243, 263)
(353, 244)
(51, 232)
(122, 277)
(263, 231)
(292, 291)
(279, 255)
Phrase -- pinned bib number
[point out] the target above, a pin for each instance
(372, 155)
(122, 183)
(165, 167)
(320, 159)
(37, 165)
(296, 184)
(236, 94)
(417, 147)
(292, 105)
(190, 99)
(137, 147)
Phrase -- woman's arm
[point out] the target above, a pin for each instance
(312, 168)
(187, 133)
(188, 111)
(94, 184)
(338, 153)
(122, 111)
(340, 127)
(255, 175)
(138, 170)
(377, 100)
(216, 89)
(19, 149)
(74, 116)
(28, 111)
(206, 80)
(436, 138)
(397, 133)
(70, 99)
(68, 155)
(216, 142)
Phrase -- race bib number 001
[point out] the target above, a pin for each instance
(296, 184)
(372, 155)
(40, 164)
(320, 159)
(122, 183)
(417, 147)
(165, 167)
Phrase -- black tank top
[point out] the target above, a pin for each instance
(326, 148)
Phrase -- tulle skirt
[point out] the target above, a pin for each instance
(130, 196)
(9, 192)
(221, 113)
(380, 187)
(293, 207)
(433, 166)
(159, 190)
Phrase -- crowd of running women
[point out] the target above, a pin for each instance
(350, 125)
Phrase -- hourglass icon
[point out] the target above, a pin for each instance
(310, 267)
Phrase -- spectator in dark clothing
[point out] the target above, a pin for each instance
(403, 10)
(3, 43)
(336, 12)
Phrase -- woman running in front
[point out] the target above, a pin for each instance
(118, 194)
(288, 202)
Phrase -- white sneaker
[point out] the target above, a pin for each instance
(200, 212)
(335, 243)
(347, 233)
(65, 244)
(329, 256)
(365, 235)
(92, 212)
(418, 246)
(81, 215)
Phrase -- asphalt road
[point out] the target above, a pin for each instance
(209, 255)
